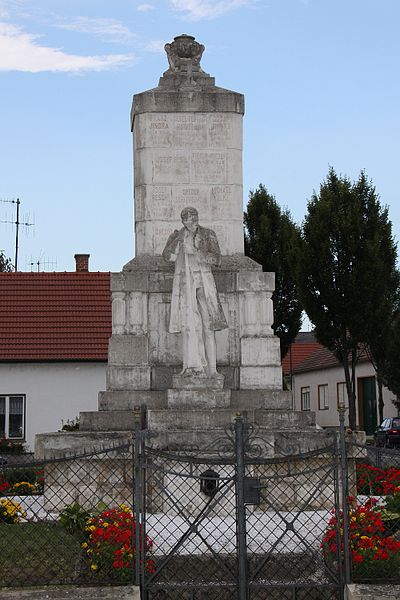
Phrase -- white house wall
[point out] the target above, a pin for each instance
(331, 377)
(55, 392)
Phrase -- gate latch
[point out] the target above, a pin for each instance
(251, 490)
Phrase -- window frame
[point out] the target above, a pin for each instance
(326, 397)
(6, 432)
(303, 395)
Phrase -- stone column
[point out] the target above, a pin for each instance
(187, 136)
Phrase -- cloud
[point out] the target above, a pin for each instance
(145, 7)
(110, 30)
(195, 10)
(20, 51)
(156, 46)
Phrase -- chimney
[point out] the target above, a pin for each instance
(82, 263)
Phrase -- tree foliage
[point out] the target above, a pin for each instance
(347, 275)
(389, 370)
(5, 263)
(273, 240)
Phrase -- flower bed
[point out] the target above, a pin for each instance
(11, 512)
(375, 481)
(374, 543)
(21, 481)
(110, 544)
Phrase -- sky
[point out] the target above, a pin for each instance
(320, 79)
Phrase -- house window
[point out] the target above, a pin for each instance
(323, 402)
(341, 393)
(305, 398)
(12, 417)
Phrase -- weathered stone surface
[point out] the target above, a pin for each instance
(253, 378)
(198, 382)
(189, 419)
(212, 100)
(198, 398)
(268, 399)
(260, 351)
(114, 420)
(128, 378)
(255, 282)
(62, 443)
(284, 419)
(129, 278)
(72, 592)
(127, 350)
(364, 591)
(161, 376)
(183, 159)
(128, 400)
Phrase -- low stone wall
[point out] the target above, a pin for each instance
(362, 591)
(69, 592)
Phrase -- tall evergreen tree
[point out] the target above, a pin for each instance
(273, 240)
(5, 263)
(347, 275)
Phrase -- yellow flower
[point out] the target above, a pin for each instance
(84, 545)
(364, 537)
(93, 567)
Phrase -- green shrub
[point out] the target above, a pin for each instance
(73, 518)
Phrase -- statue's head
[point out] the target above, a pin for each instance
(190, 218)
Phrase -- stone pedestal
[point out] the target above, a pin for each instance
(187, 136)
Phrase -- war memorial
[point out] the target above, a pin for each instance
(229, 491)
(195, 478)
(192, 316)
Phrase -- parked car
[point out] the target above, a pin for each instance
(388, 433)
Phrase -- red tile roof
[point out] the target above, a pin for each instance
(302, 347)
(322, 358)
(54, 316)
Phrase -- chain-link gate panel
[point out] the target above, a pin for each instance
(227, 523)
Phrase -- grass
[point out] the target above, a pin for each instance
(38, 553)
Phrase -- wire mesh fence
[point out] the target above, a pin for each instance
(231, 521)
(226, 522)
(374, 513)
(62, 520)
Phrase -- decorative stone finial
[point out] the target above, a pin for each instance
(184, 55)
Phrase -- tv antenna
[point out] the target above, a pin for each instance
(18, 224)
(41, 264)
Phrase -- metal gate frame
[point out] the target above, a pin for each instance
(240, 449)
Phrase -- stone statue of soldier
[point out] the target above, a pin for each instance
(196, 310)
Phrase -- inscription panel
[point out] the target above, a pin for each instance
(196, 196)
(189, 130)
(153, 202)
(208, 167)
(171, 168)
(219, 131)
(158, 131)
(223, 201)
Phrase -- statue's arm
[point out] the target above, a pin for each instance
(171, 249)
(211, 251)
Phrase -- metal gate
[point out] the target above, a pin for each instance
(236, 521)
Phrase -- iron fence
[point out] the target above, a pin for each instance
(45, 535)
(238, 519)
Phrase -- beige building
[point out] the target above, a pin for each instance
(318, 385)
(54, 331)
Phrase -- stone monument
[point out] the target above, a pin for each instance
(192, 316)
